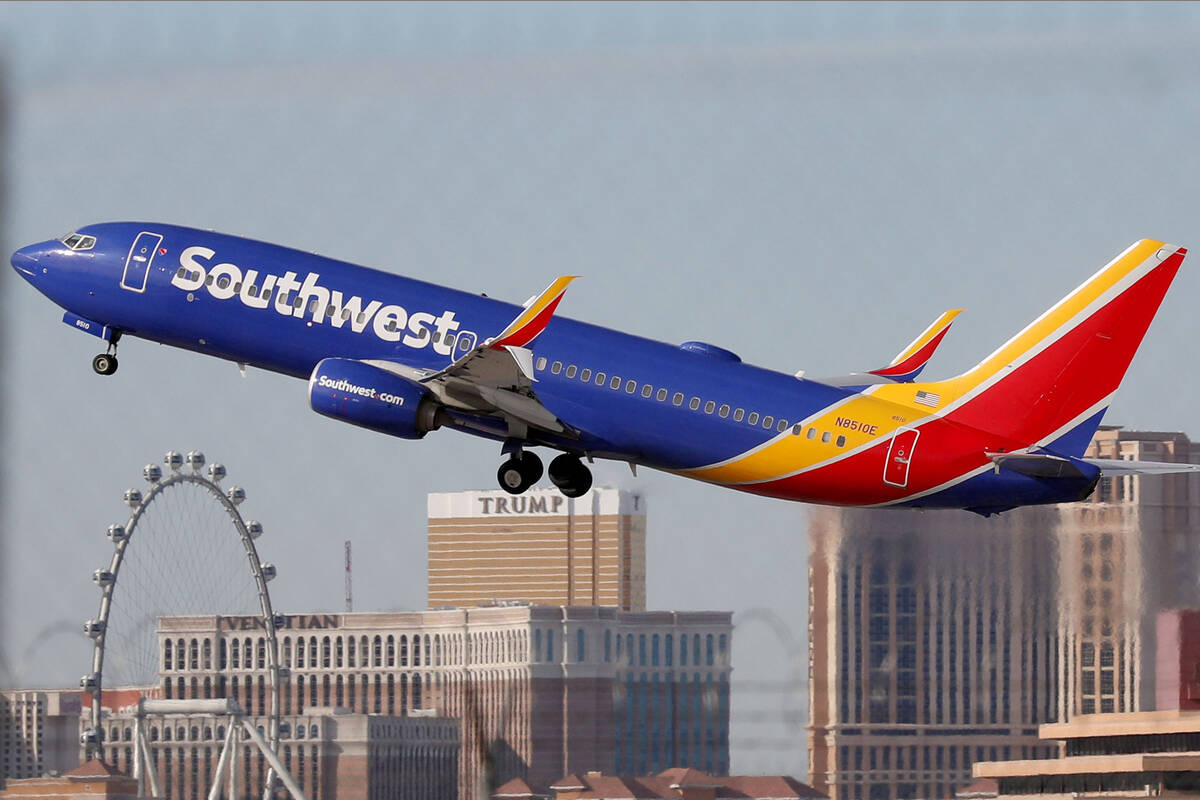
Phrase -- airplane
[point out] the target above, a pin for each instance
(405, 357)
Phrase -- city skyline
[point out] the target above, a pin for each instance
(755, 176)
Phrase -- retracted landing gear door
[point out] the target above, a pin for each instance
(899, 457)
(137, 264)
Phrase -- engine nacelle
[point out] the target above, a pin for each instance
(373, 398)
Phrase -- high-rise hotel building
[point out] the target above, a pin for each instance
(489, 547)
(530, 692)
(940, 639)
(932, 645)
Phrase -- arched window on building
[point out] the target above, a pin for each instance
(326, 653)
(391, 651)
(416, 691)
(350, 648)
(194, 654)
(708, 650)
(580, 652)
(608, 645)
(168, 654)
(262, 652)
(206, 654)
(403, 650)
(629, 649)
(669, 650)
(416, 653)
(654, 651)
(641, 649)
(377, 656)
(722, 649)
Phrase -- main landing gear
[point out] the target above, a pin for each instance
(523, 469)
(106, 362)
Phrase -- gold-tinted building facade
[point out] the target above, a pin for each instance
(490, 547)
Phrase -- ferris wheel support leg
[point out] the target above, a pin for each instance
(273, 760)
(148, 766)
(234, 732)
(215, 792)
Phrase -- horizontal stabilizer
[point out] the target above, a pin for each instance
(1119, 466)
(1038, 465)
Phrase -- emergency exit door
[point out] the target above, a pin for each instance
(899, 457)
(137, 263)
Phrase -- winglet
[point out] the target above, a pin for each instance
(534, 319)
(907, 365)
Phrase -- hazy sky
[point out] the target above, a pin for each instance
(808, 185)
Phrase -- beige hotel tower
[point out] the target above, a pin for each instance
(493, 548)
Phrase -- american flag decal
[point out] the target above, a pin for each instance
(928, 399)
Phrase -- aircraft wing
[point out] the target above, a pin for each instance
(908, 363)
(497, 377)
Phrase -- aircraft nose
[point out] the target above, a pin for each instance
(25, 260)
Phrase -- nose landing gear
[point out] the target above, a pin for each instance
(570, 475)
(106, 362)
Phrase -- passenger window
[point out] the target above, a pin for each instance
(223, 282)
(437, 336)
(266, 295)
(312, 304)
(180, 273)
(661, 396)
(796, 429)
(768, 421)
(299, 303)
(237, 287)
(541, 363)
(812, 432)
(615, 383)
(694, 403)
(738, 414)
(825, 437)
(677, 399)
(753, 418)
(346, 313)
(710, 407)
(600, 378)
(449, 339)
(556, 367)
(571, 370)
(585, 376)
(630, 387)
(841, 441)
(208, 281)
(391, 326)
(781, 426)
(362, 317)
(724, 411)
(647, 390)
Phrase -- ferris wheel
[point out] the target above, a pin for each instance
(184, 550)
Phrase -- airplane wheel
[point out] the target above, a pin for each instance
(570, 475)
(104, 364)
(519, 472)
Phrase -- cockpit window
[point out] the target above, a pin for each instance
(77, 241)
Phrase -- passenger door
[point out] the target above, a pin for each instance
(137, 263)
(899, 456)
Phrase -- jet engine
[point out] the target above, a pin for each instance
(370, 397)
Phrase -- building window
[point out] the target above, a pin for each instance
(641, 649)
(708, 650)
(550, 645)
(580, 654)
(669, 649)
(654, 650)
(608, 646)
